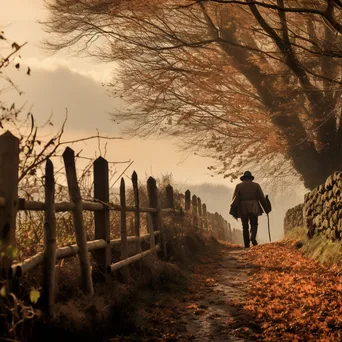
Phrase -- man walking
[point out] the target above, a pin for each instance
(249, 202)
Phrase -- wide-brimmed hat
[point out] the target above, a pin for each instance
(247, 175)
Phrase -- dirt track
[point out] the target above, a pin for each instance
(211, 307)
(218, 306)
(292, 298)
(213, 312)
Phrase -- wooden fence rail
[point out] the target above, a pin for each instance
(102, 245)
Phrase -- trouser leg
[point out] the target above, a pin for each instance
(254, 229)
(245, 230)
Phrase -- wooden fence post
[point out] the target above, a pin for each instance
(194, 212)
(222, 228)
(9, 164)
(175, 219)
(221, 222)
(169, 197)
(230, 237)
(187, 200)
(153, 201)
(216, 224)
(75, 196)
(150, 230)
(200, 217)
(124, 242)
(49, 263)
(205, 216)
(137, 211)
(102, 218)
(226, 230)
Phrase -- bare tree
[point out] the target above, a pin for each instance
(246, 82)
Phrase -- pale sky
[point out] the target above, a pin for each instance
(58, 82)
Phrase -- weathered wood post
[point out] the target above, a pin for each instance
(150, 230)
(181, 221)
(187, 200)
(216, 224)
(75, 197)
(9, 164)
(219, 231)
(212, 222)
(170, 204)
(194, 212)
(102, 218)
(230, 236)
(221, 222)
(153, 202)
(137, 211)
(226, 232)
(49, 263)
(187, 206)
(169, 197)
(208, 221)
(205, 216)
(223, 235)
(200, 218)
(124, 242)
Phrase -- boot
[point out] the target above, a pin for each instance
(246, 238)
(254, 230)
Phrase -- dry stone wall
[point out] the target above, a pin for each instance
(323, 208)
(294, 218)
(321, 211)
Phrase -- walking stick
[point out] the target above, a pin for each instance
(269, 230)
(268, 218)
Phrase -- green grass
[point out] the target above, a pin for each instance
(319, 247)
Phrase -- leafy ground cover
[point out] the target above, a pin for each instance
(267, 293)
(297, 299)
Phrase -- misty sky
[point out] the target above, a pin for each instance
(61, 81)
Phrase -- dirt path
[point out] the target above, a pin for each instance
(215, 314)
(210, 309)
(216, 309)
(266, 293)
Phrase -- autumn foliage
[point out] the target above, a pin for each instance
(240, 81)
(267, 293)
(296, 298)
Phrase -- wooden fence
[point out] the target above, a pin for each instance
(102, 245)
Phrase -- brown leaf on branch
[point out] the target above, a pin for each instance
(15, 46)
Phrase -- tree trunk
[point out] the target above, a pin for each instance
(312, 164)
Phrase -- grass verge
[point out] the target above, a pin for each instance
(319, 247)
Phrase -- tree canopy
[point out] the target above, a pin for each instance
(246, 82)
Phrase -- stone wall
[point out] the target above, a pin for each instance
(322, 210)
(294, 218)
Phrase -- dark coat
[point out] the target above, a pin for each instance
(249, 200)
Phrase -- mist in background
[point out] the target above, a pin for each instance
(62, 84)
(219, 197)
(56, 89)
